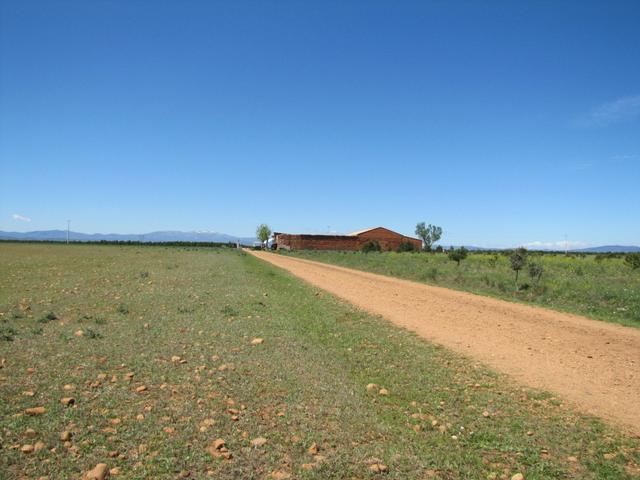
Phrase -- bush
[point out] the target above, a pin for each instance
(406, 247)
(458, 254)
(372, 246)
(632, 260)
(535, 271)
(49, 317)
(7, 333)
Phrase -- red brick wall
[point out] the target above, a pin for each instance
(387, 239)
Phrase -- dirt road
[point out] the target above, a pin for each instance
(592, 364)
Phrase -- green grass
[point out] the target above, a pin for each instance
(605, 290)
(306, 383)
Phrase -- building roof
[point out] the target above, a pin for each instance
(359, 232)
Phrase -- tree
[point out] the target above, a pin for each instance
(518, 259)
(372, 246)
(429, 234)
(263, 232)
(632, 260)
(458, 254)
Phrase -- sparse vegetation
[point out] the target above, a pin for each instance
(291, 369)
(605, 290)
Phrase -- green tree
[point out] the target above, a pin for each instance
(263, 232)
(518, 260)
(458, 254)
(429, 234)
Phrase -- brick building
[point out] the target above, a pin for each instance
(388, 240)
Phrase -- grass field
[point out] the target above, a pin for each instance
(604, 289)
(156, 347)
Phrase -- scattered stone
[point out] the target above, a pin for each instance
(572, 459)
(529, 433)
(99, 472)
(30, 433)
(610, 456)
(67, 401)
(115, 471)
(69, 388)
(258, 442)
(31, 370)
(39, 446)
(78, 333)
(141, 388)
(27, 448)
(378, 468)
(28, 393)
(309, 466)
(175, 359)
(140, 417)
(257, 341)
(372, 387)
(384, 392)
(313, 449)
(65, 436)
(279, 474)
(486, 414)
(35, 411)
(517, 476)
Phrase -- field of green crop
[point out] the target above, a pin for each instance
(167, 362)
(600, 288)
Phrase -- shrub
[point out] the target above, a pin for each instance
(518, 259)
(632, 260)
(458, 254)
(406, 247)
(535, 271)
(92, 334)
(439, 249)
(372, 246)
(7, 333)
(123, 309)
(49, 317)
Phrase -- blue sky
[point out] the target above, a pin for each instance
(506, 123)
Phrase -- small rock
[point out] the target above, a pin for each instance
(378, 468)
(27, 448)
(258, 442)
(313, 449)
(35, 411)
(384, 392)
(372, 387)
(175, 359)
(67, 401)
(141, 388)
(99, 472)
(28, 393)
(257, 341)
(309, 466)
(115, 471)
(78, 333)
(610, 456)
(486, 414)
(65, 436)
(517, 476)
(30, 433)
(31, 370)
(572, 459)
(280, 475)
(39, 446)
(68, 387)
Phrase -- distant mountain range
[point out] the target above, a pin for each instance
(159, 237)
(205, 236)
(609, 249)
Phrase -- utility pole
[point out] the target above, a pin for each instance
(68, 225)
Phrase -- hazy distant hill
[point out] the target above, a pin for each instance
(162, 236)
(609, 248)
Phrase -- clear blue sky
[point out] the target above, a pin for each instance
(504, 122)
